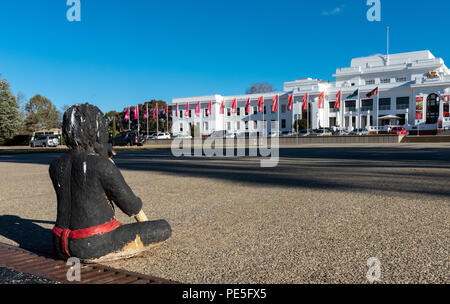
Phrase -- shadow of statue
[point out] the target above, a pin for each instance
(28, 234)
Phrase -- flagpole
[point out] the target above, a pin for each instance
(292, 125)
(378, 108)
(359, 110)
(278, 108)
(264, 125)
(138, 118)
(147, 117)
(157, 120)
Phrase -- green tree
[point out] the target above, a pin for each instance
(11, 122)
(300, 124)
(41, 114)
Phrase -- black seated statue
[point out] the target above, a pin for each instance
(87, 185)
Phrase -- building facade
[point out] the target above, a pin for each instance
(413, 91)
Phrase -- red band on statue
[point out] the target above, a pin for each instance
(66, 234)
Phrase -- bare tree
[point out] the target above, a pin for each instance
(257, 88)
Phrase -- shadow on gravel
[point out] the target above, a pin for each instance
(381, 169)
(27, 234)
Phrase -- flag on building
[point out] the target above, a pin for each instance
(136, 112)
(337, 104)
(155, 112)
(176, 110)
(275, 103)
(247, 106)
(222, 105)
(208, 110)
(321, 103)
(146, 111)
(261, 104)
(353, 95)
(290, 102)
(234, 106)
(127, 114)
(372, 93)
(305, 102)
(166, 112)
(187, 110)
(197, 109)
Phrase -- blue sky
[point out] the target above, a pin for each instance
(126, 52)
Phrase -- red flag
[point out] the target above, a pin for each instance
(321, 100)
(187, 110)
(234, 106)
(290, 102)
(261, 104)
(247, 106)
(136, 112)
(197, 109)
(127, 114)
(146, 112)
(155, 112)
(166, 113)
(176, 110)
(222, 105)
(208, 110)
(275, 103)
(305, 102)
(337, 104)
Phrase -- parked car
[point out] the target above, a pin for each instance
(127, 138)
(45, 141)
(225, 134)
(187, 136)
(162, 136)
(247, 134)
(303, 133)
(398, 131)
(340, 133)
(321, 132)
(286, 134)
(359, 132)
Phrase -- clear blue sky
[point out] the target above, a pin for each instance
(126, 52)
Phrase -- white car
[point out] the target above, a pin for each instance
(45, 141)
(162, 136)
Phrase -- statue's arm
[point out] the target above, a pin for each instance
(117, 190)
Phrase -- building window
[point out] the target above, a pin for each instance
(385, 80)
(367, 105)
(385, 104)
(205, 112)
(181, 113)
(255, 110)
(402, 103)
(255, 125)
(190, 113)
(205, 126)
(370, 82)
(181, 127)
(350, 105)
(228, 112)
(332, 109)
(228, 125)
(283, 108)
(238, 111)
(400, 79)
(265, 110)
(238, 125)
(246, 126)
(283, 123)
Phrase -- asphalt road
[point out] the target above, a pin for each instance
(315, 218)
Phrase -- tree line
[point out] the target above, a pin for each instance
(20, 118)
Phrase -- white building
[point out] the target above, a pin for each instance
(413, 87)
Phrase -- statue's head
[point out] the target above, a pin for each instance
(84, 128)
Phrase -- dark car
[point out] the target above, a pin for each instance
(127, 138)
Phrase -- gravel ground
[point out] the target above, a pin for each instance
(7, 276)
(316, 218)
